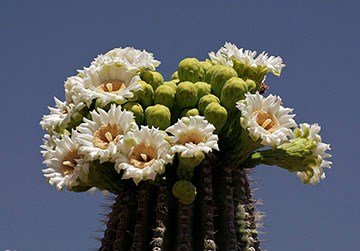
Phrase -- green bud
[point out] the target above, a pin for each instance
(184, 191)
(190, 69)
(145, 96)
(205, 100)
(188, 112)
(252, 86)
(158, 116)
(186, 95)
(154, 78)
(206, 65)
(216, 115)
(217, 75)
(185, 169)
(202, 88)
(164, 95)
(234, 90)
(137, 110)
(172, 83)
(174, 76)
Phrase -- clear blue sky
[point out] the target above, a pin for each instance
(43, 42)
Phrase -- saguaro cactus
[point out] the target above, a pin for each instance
(176, 153)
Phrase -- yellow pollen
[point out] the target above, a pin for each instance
(266, 123)
(191, 137)
(266, 120)
(68, 163)
(106, 134)
(143, 156)
(111, 86)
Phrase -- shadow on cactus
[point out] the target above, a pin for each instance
(176, 153)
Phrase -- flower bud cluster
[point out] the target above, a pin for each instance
(122, 121)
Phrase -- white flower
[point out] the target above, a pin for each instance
(107, 83)
(60, 115)
(193, 134)
(144, 154)
(319, 153)
(230, 52)
(132, 59)
(220, 58)
(98, 138)
(266, 119)
(66, 165)
(271, 64)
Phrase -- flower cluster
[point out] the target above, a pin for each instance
(122, 121)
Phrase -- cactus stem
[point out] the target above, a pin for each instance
(161, 211)
(142, 233)
(184, 225)
(111, 226)
(207, 205)
(124, 233)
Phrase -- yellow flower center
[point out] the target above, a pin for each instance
(111, 86)
(143, 156)
(191, 137)
(106, 134)
(69, 162)
(266, 120)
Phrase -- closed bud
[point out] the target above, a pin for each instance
(172, 83)
(137, 110)
(205, 100)
(186, 95)
(158, 116)
(234, 90)
(174, 76)
(202, 89)
(216, 115)
(252, 86)
(164, 95)
(217, 75)
(184, 191)
(145, 96)
(188, 112)
(154, 78)
(190, 69)
(206, 65)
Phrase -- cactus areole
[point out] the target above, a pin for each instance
(176, 153)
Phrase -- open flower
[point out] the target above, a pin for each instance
(230, 53)
(314, 172)
(266, 119)
(60, 115)
(225, 56)
(98, 138)
(66, 165)
(106, 83)
(132, 59)
(270, 63)
(193, 134)
(144, 154)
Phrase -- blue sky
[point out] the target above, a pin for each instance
(44, 42)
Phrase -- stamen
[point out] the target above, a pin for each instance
(144, 156)
(108, 136)
(266, 123)
(109, 86)
(68, 163)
